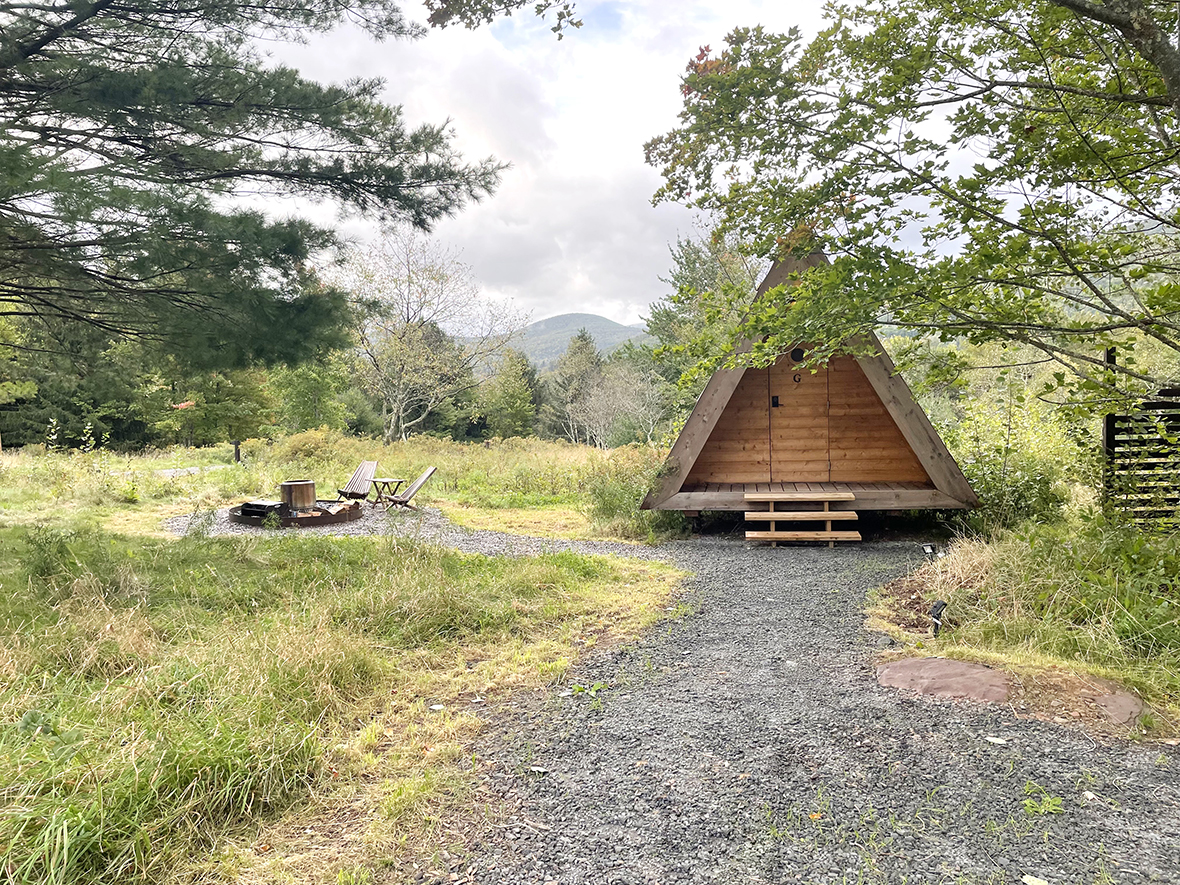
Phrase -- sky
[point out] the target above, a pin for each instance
(571, 228)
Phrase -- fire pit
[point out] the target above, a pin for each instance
(298, 494)
(298, 508)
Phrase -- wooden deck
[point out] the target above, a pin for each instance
(869, 495)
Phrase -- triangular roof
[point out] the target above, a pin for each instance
(878, 368)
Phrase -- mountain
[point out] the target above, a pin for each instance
(546, 340)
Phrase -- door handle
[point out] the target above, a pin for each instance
(774, 402)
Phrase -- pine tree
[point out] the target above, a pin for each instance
(128, 129)
(509, 399)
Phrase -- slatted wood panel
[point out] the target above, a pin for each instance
(1143, 459)
(738, 449)
(866, 445)
(829, 426)
(799, 424)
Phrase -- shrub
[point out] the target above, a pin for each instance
(616, 486)
(47, 552)
(1020, 457)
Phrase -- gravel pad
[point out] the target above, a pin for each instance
(424, 523)
(748, 742)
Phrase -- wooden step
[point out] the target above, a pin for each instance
(800, 496)
(800, 515)
(825, 515)
(803, 536)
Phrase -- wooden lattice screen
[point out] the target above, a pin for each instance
(1143, 458)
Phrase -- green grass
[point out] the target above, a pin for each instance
(157, 696)
(1086, 594)
(162, 700)
(127, 493)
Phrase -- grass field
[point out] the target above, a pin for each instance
(294, 709)
(202, 708)
(596, 493)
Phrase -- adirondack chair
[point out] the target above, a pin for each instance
(403, 500)
(362, 480)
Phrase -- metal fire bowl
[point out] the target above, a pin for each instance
(301, 519)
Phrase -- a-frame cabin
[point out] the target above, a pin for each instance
(850, 435)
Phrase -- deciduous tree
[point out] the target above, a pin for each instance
(309, 394)
(712, 284)
(624, 405)
(429, 329)
(982, 169)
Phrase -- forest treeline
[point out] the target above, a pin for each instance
(427, 355)
(405, 374)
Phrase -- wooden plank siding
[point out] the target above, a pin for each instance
(707, 412)
(738, 449)
(867, 445)
(829, 426)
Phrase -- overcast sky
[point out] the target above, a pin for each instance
(571, 228)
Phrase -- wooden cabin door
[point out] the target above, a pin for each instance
(799, 440)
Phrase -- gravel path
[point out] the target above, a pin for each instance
(748, 742)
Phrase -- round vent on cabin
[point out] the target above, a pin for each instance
(797, 354)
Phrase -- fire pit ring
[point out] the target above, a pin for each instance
(323, 513)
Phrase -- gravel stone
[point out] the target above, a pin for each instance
(426, 524)
(749, 742)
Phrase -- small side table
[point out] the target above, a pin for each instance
(384, 489)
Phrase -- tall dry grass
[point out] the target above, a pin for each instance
(1089, 593)
(608, 486)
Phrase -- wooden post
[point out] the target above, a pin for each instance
(828, 524)
(772, 525)
(1108, 437)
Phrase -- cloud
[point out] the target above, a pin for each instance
(569, 243)
(571, 228)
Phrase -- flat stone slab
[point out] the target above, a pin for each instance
(944, 678)
(1121, 707)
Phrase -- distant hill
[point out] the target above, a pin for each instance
(546, 340)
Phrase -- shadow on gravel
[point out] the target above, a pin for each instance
(916, 526)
